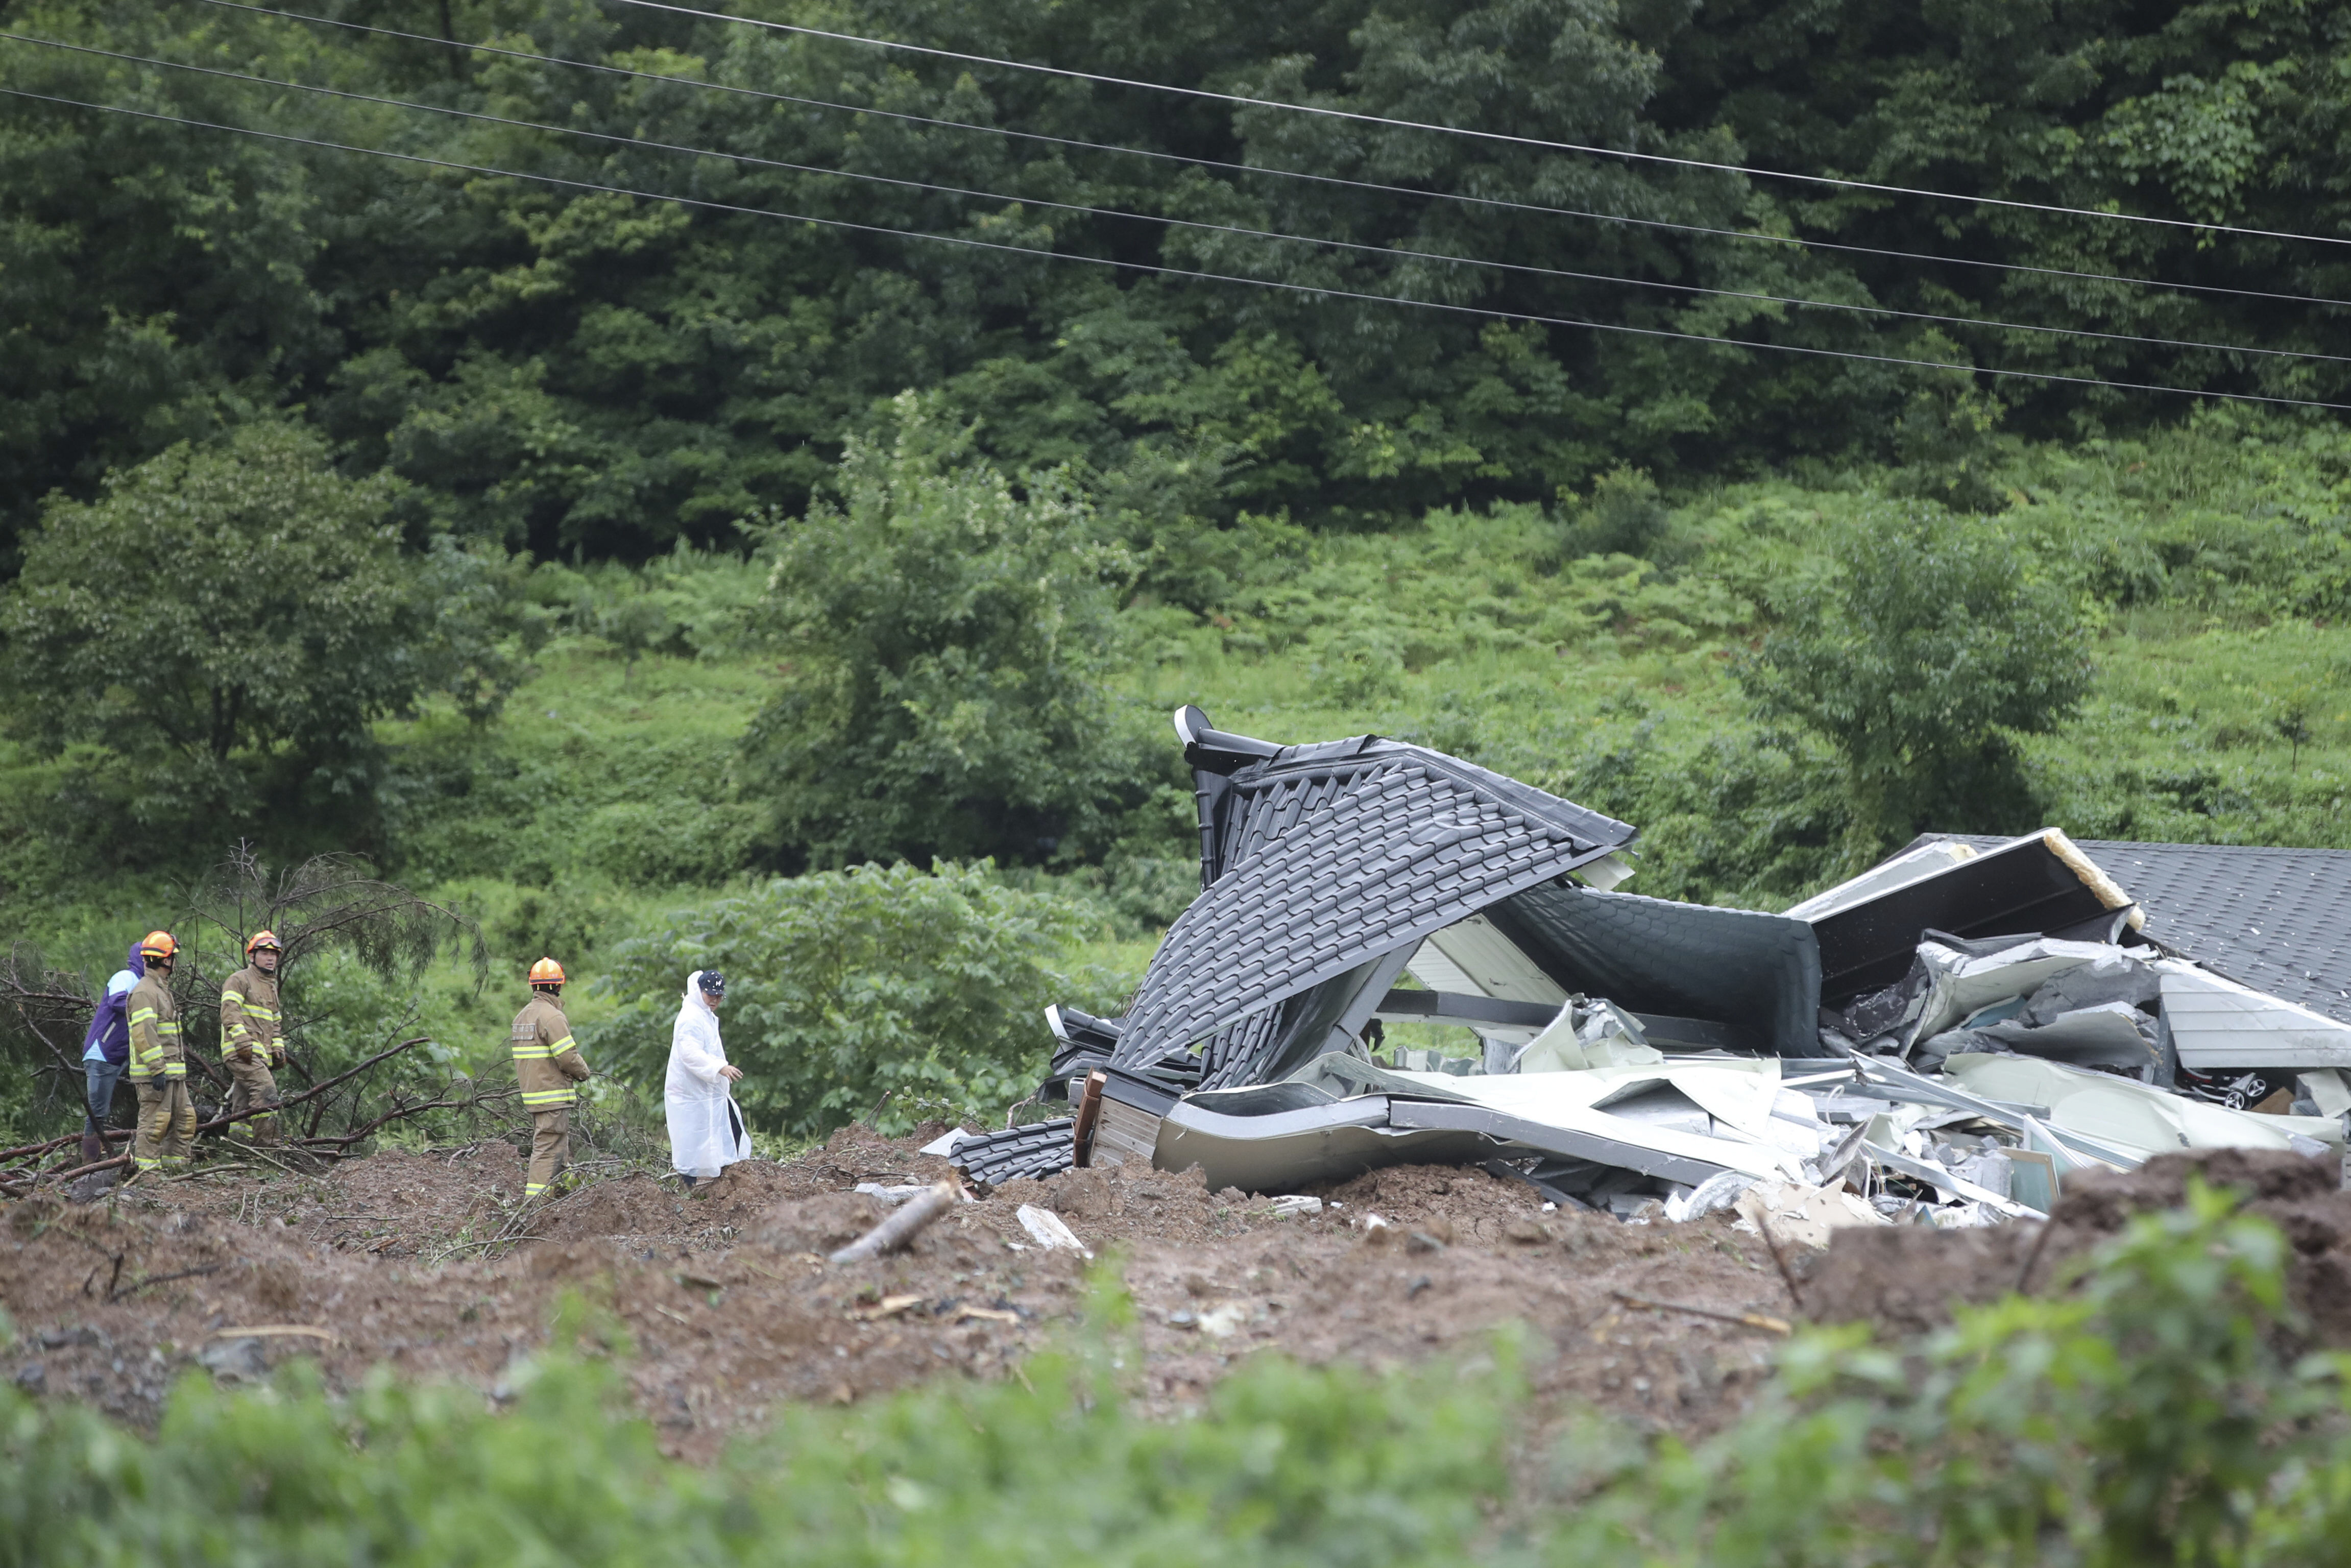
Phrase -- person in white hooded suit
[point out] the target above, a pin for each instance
(705, 1127)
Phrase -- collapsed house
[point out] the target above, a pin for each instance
(1948, 1036)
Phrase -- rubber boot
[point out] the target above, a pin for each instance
(93, 1149)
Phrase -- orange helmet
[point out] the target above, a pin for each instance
(547, 972)
(261, 939)
(157, 945)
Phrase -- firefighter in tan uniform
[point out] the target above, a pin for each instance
(546, 1065)
(158, 1066)
(250, 1042)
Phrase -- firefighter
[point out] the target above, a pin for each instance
(546, 1066)
(250, 1043)
(159, 1068)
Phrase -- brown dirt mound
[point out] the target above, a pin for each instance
(427, 1262)
(1908, 1278)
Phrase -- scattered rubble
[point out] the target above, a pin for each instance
(1948, 1039)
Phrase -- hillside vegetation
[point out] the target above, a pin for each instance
(613, 796)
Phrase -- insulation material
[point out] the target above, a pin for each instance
(1800, 1215)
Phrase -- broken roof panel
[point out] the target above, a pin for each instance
(2276, 919)
(1323, 858)
(1251, 791)
(2217, 1023)
(2041, 882)
(1759, 973)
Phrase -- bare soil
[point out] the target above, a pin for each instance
(723, 1308)
(1907, 1280)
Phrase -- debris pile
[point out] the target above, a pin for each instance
(1946, 1039)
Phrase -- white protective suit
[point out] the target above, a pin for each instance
(705, 1129)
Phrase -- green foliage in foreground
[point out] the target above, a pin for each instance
(2150, 1415)
(843, 986)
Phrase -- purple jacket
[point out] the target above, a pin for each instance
(109, 1026)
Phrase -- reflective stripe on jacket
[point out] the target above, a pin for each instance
(546, 1063)
(155, 1029)
(248, 1014)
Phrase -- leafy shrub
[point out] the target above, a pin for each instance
(213, 639)
(1933, 644)
(1356, 669)
(215, 600)
(843, 986)
(2153, 1415)
(665, 842)
(1286, 1466)
(1626, 515)
(687, 604)
(945, 635)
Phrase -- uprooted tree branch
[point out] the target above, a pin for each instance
(329, 904)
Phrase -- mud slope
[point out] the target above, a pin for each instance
(428, 1263)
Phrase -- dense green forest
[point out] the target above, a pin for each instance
(712, 454)
(550, 367)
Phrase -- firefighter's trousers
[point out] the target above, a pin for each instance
(167, 1124)
(551, 1148)
(254, 1084)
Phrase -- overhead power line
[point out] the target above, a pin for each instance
(1463, 198)
(1499, 136)
(1156, 269)
(1381, 252)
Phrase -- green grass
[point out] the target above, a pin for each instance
(2215, 566)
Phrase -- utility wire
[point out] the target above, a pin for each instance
(1463, 198)
(1383, 252)
(1361, 119)
(1156, 269)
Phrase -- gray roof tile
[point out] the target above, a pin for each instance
(1330, 856)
